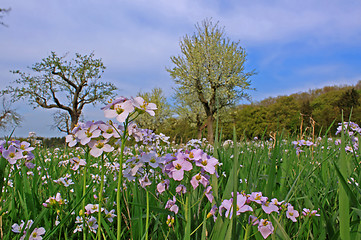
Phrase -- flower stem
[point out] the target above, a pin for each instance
(100, 198)
(84, 185)
(147, 219)
(120, 176)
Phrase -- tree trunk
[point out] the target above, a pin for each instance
(210, 136)
(199, 134)
(74, 120)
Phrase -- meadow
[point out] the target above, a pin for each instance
(116, 181)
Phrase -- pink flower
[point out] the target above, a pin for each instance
(213, 212)
(108, 131)
(253, 220)
(12, 155)
(92, 208)
(179, 166)
(170, 220)
(52, 201)
(25, 147)
(265, 228)
(241, 206)
(309, 213)
(71, 140)
(36, 234)
(257, 197)
(269, 207)
(98, 147)
(196, 154)
(181, 189)
(144, 181)
(120, 109)
(276, 202)
(171, 204)
(109, 215)
(199, 178)
(89, 131)
(291, 213)
(207, 163)
(77, 163)
(163, 185)
(209, 194)
(227, 205)
(142, 105)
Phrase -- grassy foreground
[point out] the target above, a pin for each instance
(148, 188)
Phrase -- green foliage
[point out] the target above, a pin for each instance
(210, 70)
(311, 179)
(190, 110)
(163, 111)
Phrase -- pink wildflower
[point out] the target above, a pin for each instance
(291, 213)
(171, 204)
(163, 185)
(180, 165)
(144, 106)
(199, 178)
(181, 189)
(269, 207)
(265, 228)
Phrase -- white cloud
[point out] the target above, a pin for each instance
(136, 38)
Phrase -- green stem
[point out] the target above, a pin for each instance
(84, 185)
(187, 210)
(100, 198)
(3, 163)
(147, 219)
(344, 204)
(120, 176)
(247, 231)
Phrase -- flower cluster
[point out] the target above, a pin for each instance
(99, 135)
(55, 202)
(15, 150)
(87, 220)
(23, 228)
(251, 202)
(94, 134)
(196, 165)
(300, 144)
(352, 130)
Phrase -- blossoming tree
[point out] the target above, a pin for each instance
(211, 68)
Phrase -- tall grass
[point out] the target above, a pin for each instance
(318, 178)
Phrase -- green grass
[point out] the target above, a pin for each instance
(318, 178)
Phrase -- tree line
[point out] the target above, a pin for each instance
(301, 115)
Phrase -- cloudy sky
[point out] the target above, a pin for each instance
(293, 45)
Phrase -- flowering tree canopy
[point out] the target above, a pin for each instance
(211, 68)
(64, 85)
(163, 112)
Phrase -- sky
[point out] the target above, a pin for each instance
(293, 46)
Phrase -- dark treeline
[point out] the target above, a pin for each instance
(301, 114)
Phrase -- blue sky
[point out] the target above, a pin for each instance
(293, 45)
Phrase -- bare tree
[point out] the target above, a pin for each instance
(8, 116)
(64, 85)
(3, 11)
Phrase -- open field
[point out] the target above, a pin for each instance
(183, 192)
